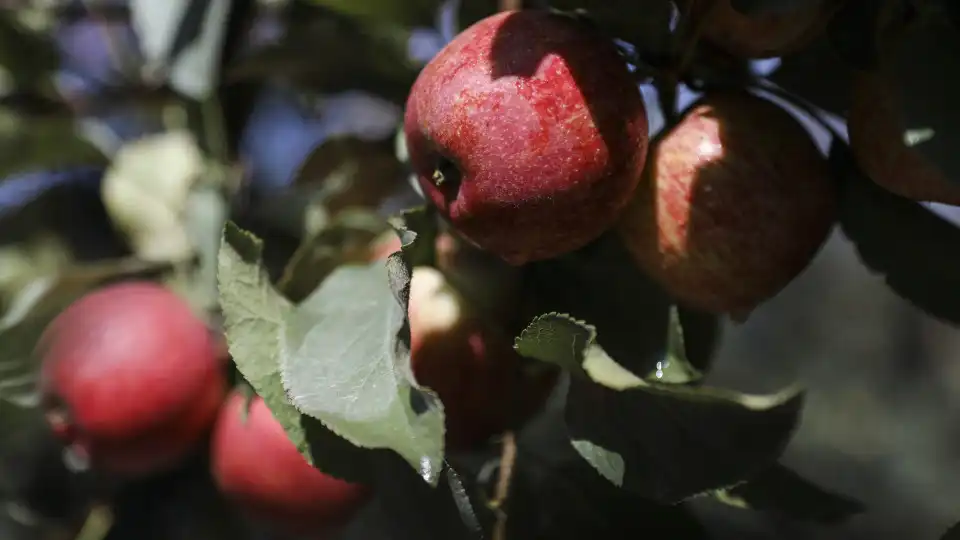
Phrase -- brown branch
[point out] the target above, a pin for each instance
(510, 5)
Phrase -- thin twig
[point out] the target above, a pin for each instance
(508, 457)
(511, 5)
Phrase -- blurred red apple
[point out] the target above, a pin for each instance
(257, 467)
(463, 350)
(132, 379)
(736, 202)
(528, 133)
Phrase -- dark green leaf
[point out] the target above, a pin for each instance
(900, 239)
(953, 533)
(601, 284)
(377, 63)
(665, 442)
(408, 12)
(782, 491)
(254, 323)
(29, 143)
(418, 231)
(28, 57)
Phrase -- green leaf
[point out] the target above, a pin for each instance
(349, 235)
(665, 442)
(254, 315)
(782, 491)
(30, 143)
(340, 353)
(345, 362)
(408, 12)
(909, 245)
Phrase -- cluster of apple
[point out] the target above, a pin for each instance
(134, 382)
(529, 135)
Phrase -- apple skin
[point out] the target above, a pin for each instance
(458, 352)
(736, 202)
(257, 467)
(762, 35)
(131, 378)
(876, 140)
(538, 128)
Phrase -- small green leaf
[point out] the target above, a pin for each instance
(665, 442)
(30, 143)
(782, 491)
(900, 239)
(254, 316)
(609, 464)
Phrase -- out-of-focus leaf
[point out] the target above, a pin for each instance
(900, 239)
(754, 7)
(184, 39)
(665, 442)
(780, 490)
(378, 62)
(29, 143)
(27, 56)
(408, 12)
(254, 322)
(953, 533)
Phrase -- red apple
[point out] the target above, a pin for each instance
(737, 200)
(528, 133)
(876, 132)
(132, 379)
(256, 466)
(761, 35)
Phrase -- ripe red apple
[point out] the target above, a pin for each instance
(132, 379)
(257, 467)
(528, 133)
(876, 133)
(737, 200)
(463, 350)
(761, 35)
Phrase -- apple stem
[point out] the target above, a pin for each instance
(510, 5)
